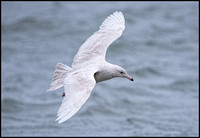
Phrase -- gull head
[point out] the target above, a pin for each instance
(120, 72)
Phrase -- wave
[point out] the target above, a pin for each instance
(11, 105)
(145, 71)
(27, 24)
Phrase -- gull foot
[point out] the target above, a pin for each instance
(63, 94)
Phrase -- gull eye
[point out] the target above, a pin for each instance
(121, 72)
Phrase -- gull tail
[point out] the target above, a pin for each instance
(59, 76)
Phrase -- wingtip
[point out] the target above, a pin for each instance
(118, 12)
(58, 121)
(114, 21)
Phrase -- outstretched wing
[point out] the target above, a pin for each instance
(97, 44)
(78, 86)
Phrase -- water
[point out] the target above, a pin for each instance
(159, 48)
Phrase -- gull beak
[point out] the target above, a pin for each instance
(128, 77)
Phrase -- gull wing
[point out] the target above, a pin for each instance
(97, 44)
(78, 86)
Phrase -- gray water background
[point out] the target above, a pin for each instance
(159, 48)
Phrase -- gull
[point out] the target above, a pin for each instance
(88, 68)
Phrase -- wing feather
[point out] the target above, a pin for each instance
(78, 86)
(96, 45)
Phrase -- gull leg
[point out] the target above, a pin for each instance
(63, 94)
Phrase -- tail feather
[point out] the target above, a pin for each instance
(59, 76)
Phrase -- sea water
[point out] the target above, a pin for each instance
(158, 48)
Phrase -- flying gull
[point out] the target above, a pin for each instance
(89, 67)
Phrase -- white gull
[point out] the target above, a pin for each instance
(89, 67)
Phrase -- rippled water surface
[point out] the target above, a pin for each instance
(159, 48)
